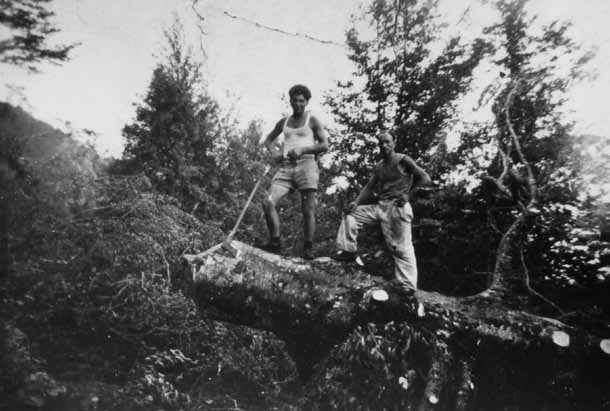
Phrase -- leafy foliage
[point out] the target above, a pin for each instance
(172, 139)
(96, 258)
(30, 26)
(377, 367)
(95, 285)
(185, 144)
(537, 62)
(400, 83)
(403, 83)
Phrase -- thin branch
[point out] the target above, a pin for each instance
(307, 36)
(531, 290)
(492, 222)
(195, 208)
(199, 26)
(497, 182)
(506, 164)
(464, 15)
(515, 231)
(397, 5)
(133, 207)
(275, 29)
(489, 93)
(531, 182)
(167, 268)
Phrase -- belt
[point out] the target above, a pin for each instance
(303, 158)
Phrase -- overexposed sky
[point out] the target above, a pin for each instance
(247, 67)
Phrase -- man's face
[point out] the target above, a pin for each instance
(298, 103)
(386, 144)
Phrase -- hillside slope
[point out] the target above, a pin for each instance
(93, 313)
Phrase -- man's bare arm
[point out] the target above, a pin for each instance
(320, 136)
(277, 130)
(420, 177)
(276, 153)
(367, 191)
(364, 196)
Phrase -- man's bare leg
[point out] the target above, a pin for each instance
(276, 193)
(308, 206)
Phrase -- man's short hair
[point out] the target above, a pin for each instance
(299, 89)
(384, 132)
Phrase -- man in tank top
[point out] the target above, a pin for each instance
(304, 138)
(394, 178)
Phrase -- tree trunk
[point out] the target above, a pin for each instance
(476, 352)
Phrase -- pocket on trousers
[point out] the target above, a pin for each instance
(405, 212)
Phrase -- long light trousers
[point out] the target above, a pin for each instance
(396, 228)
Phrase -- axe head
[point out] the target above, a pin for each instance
(226, 245)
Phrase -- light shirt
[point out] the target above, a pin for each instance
(298, 137)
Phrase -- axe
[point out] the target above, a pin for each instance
(226, 244)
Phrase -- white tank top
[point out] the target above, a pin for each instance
(298, 137)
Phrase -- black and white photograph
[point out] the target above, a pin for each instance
(282, 205)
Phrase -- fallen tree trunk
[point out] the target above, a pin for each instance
(324, 309)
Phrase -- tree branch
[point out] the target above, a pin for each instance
(531, 182)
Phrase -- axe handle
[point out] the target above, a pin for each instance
(243, 212)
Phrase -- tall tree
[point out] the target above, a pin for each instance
(400, 83)
(536, 85)
(29, 25)
(173, 135)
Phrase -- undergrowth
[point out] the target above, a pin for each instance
(95, 311)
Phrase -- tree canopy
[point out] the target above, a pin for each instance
(409, 80)
(182, 139)
(30, 25)
(400, 83)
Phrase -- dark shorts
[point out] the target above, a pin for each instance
(300, 175)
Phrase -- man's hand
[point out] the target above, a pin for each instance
(401, 201)
(350, 208)
(277, 157)
(295, 153)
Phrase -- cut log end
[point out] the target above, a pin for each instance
(605, 345)
(420, 310)
(302, 301)
(380, 295)
(408, 379)
(561, 338)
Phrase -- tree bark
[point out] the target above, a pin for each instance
(315, 307)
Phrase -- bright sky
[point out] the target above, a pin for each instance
(247, 67)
